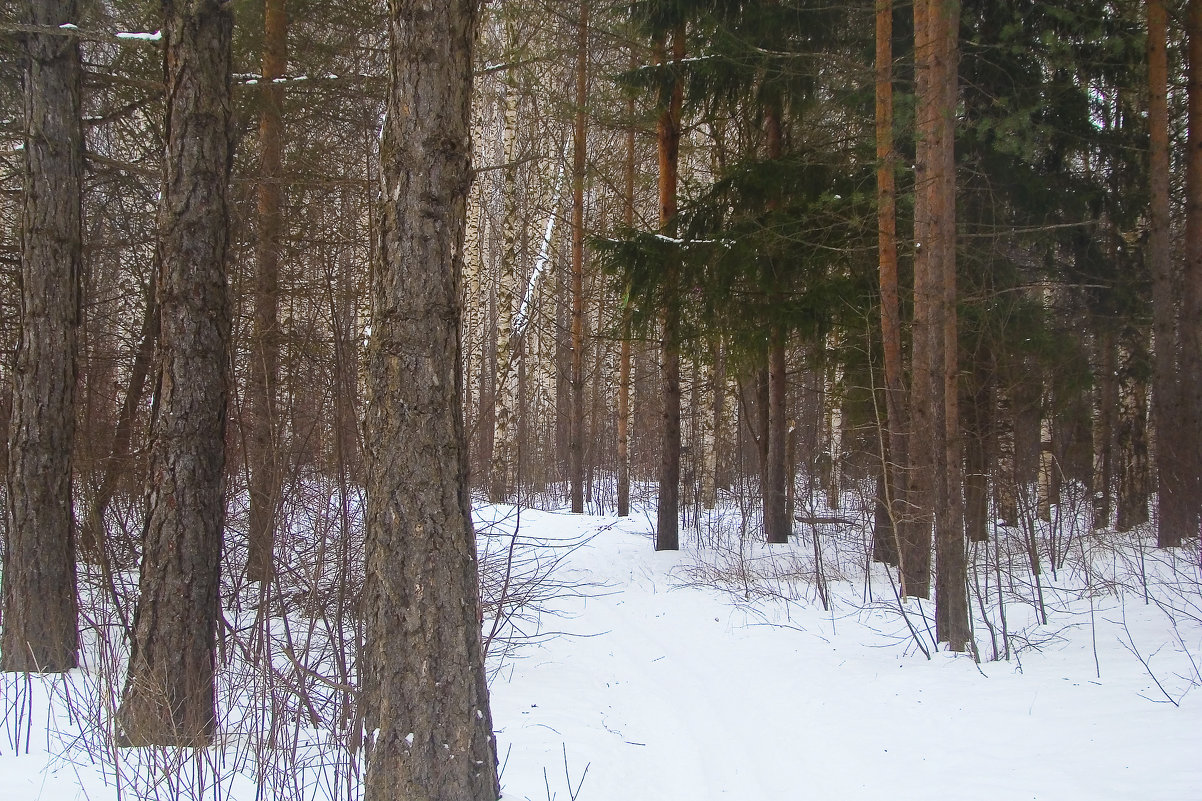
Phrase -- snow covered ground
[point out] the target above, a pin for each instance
(713, 673)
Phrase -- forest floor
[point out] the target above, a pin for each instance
(729, 670)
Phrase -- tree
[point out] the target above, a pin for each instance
(885, 544)
(579, 151)
(40, 612)
(1191, 304)
(169, 691)
(668, 130)
(263, 437)
(425, 697)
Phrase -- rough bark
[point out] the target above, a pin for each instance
(169, 690)
(579, 145)
(263, 452)
(425, 696)
(40, 609)
(667, 531)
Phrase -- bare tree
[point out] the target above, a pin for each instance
(425, 694)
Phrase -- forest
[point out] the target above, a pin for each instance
(874, 306)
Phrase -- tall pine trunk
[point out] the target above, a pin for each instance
(1175, 516)
(667, 531)
(40, 608)
(425, 695)
(263, 451)
(951, 595)
(886, 538)
(169, 692)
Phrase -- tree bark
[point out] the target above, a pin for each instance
(579, 145)
(920, 487)
(1175, 516)
(1191, 305)
(667, 531)
(425, 695)
(886, 538)
(263, 449)
(951, 597)
(505, 396)
(777, 525)
(40, 608)
(169, 691)
(624, 356)
(93, 535)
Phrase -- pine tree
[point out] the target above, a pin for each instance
(169, 691)
(425, 697)
(39, 595)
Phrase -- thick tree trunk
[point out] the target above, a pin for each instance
(425, 695)
(579, 144)
(951, 595)
(40, 608)
(667, 531)
(169, 692)
(263, 452)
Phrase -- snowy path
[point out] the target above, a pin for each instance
(671, 692)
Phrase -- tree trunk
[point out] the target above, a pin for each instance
(1131, 436)
(667, 531)
(894, 467)
(425, 696)
(40, 607)
(624, 357)
(93, 535)
(169, 692)
(951, 594)
(579, 143)
(1104, 412)
(1191, 304)
(777, 525)
(920, 487)
(263, 452)
(1175, 516)
(504, 446)
(977, 438)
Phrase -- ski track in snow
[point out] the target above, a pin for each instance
(675, 692)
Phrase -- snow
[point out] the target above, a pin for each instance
(155, 36)
(716, 673)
